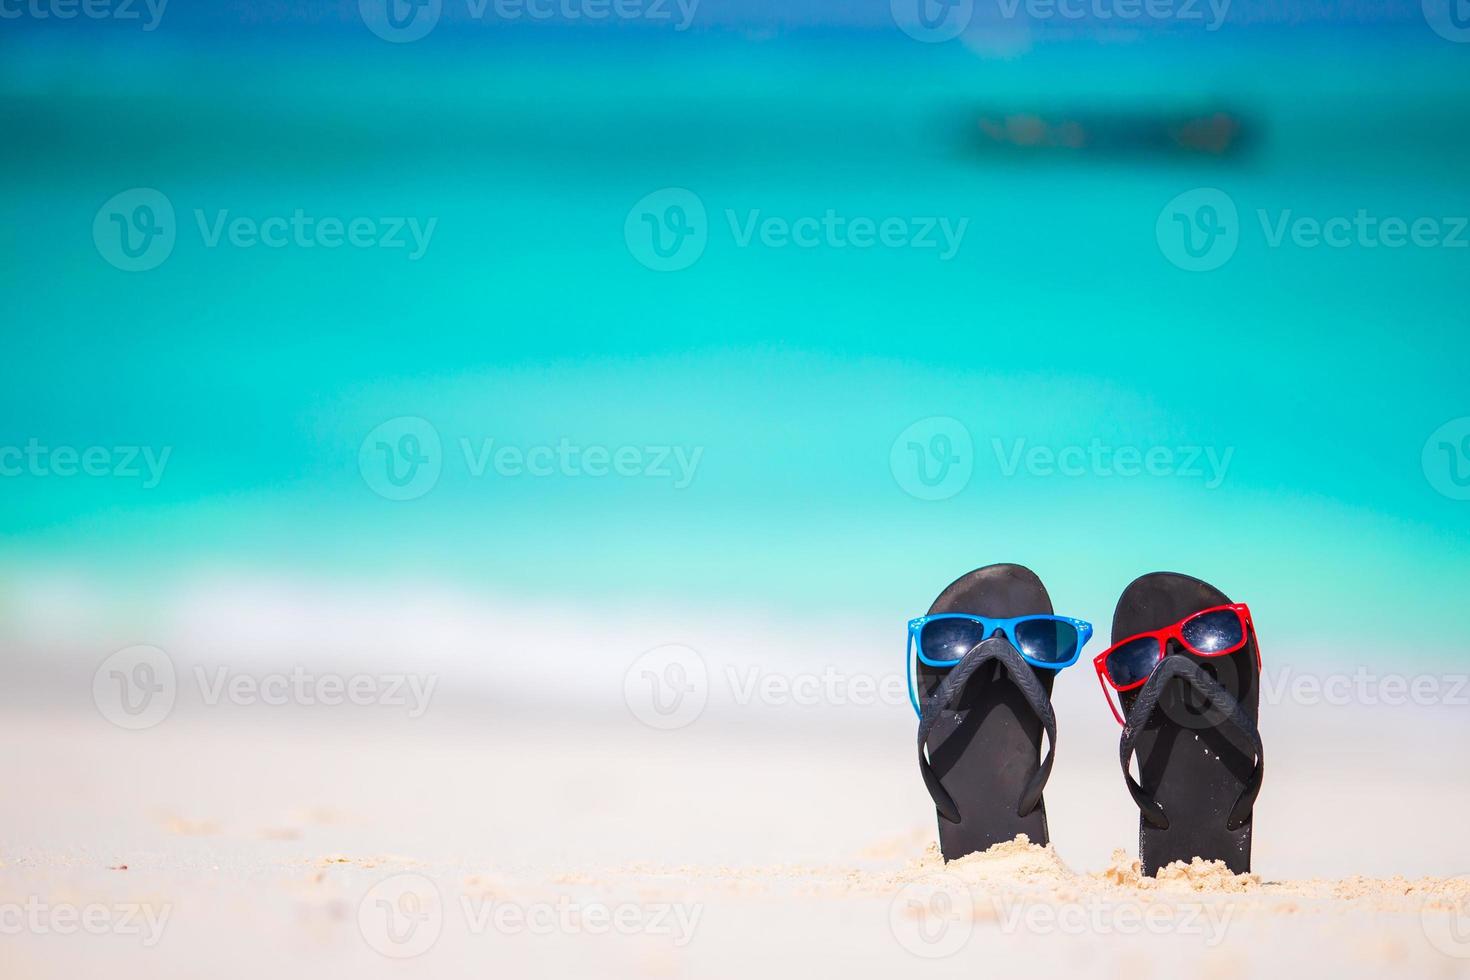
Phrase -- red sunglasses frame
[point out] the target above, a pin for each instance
(1173, 632)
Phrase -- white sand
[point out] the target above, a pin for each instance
(782, 842)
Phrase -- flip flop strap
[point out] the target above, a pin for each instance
(1220, 699)
(948, 694)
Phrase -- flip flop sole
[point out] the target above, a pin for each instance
(985, 752)
(1191, 762)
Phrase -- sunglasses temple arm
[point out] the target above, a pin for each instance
(908, 670)
(1108, 696)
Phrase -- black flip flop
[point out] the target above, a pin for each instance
(1193, 726)
(981, 721)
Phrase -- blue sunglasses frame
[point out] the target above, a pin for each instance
(989, 625)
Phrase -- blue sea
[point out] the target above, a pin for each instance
(772, 315)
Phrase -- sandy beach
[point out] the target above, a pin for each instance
(553, 840)
(467, 468)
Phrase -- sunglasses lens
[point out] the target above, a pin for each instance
(1133, 661)
(948, 640)
(1212, 632)
(1047, 641)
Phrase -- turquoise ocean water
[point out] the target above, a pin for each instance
(1059, 321)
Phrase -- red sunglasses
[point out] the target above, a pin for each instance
(1212, 632)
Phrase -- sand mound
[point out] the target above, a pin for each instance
(1015, 861)
(1196, 876)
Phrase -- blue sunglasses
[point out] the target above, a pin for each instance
(942, 640)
